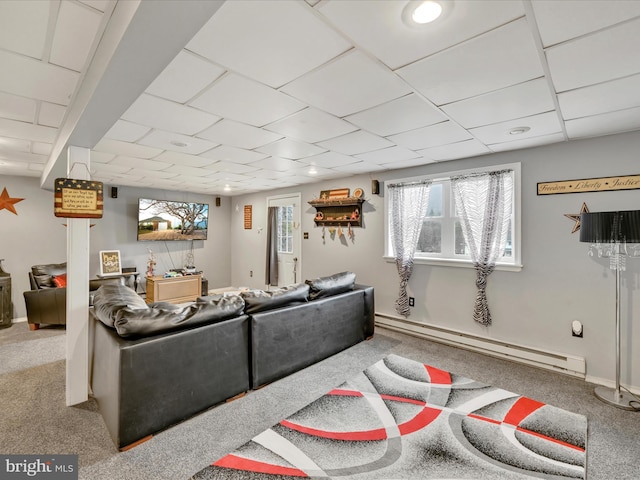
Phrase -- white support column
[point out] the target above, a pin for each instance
(77, 391)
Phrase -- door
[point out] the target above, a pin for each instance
(288, 237)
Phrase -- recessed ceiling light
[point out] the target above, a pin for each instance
(177, 143)
(418, 13)
(519, 130)
(227, 188)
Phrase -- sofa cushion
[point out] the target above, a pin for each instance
(60, 281)
(332, 285)
(259, 300)
(43, 274)
(163, 317)
(112, 297)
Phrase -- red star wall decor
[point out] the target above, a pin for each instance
(7, 202)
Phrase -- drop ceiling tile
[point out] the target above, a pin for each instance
(363, 21)
(101, 5)
(226, 177)
(561, 21)
(139, 163)
(177, 142)
(399, 115)
(356, 142)
(291, 149)
(277, 163)
(542, 124)
(347, 85)
(363, 167)
(51, 115)
(14, 144)
(431, 136)
(527, 142)
(601, 98)
(101, 157)
(255, 39)
(244, 100)
(41, 148)
(599, 57)
(473, 67)
(109, 168)
(311, 125)
(451, 151)
(387, 155)
(517, 101)
(604, 124)
(126, 149)
(230, 167)
(186, 170)
(167, 115)
(27, 131)
(34, 79)
(177, 158)
(76, 28)
(233, 154)
(329, 160)
(17, 108)
(185, 77)
(154, 174)
(238, 135)
(127, 131)
(24, 157)
(270, 174)
(23, 27)
(411, 162)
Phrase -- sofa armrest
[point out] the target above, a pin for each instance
(48, 306)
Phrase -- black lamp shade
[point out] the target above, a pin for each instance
(608, 227)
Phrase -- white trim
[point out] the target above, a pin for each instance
(450, 262)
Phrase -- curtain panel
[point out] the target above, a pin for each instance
(483, 204)
(408, 205)
(271, 272)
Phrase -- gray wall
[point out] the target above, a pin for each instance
(533, 307)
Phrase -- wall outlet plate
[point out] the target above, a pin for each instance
(412, 302)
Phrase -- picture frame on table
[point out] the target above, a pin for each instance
(110, 263)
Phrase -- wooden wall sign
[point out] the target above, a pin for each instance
(602, 184)
(78, 198)
(248, 217)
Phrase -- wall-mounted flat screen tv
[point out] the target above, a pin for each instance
(168, 220)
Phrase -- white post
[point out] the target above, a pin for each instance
(77, 333)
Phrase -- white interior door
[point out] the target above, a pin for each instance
(289, 237)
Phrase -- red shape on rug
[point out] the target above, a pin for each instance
(376, 434)
(520, 410)
(239, 463)
(437, 376)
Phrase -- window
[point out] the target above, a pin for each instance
(441, 239)
(285, 229)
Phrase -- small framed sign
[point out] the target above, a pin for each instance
(248, 217)
(110, 263)
(78, 198)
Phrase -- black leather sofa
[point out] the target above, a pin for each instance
(156, 365)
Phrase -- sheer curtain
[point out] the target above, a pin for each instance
(408, 205)
(483, 203)
(271, 272)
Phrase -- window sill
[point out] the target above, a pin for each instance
(447, 262)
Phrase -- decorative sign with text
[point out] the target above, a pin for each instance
(248, 217)
(603, 184)
(78, 198)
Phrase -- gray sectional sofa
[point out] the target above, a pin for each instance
(156, 365)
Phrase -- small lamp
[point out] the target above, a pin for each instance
(609, 233)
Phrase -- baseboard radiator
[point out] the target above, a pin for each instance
(561, 363)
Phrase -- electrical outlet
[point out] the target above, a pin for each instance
(576, 328)
(412, 302)
(251, 273)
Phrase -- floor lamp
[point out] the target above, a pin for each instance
(609, 233)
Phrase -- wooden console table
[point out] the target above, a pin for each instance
(174, 289)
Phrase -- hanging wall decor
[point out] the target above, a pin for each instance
(8, 202)
(78, 198)
(576, 217)
(602, 184)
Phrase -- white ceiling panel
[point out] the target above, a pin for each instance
(23, 26)
(542, 124)
(230, 167)
(277, 163)
(329, 160)
(601, 98)
(608, 54)
(399, 115)
(176, 158)
(497, 59)
(244, 100)
(14, 144)
(233, 154)
(34, 79)
(272, 42)
(311, 125)
(411, 162)
(357, 142)
(51, 115)
(464, 149)
(607, 123)
(154, 174)
(431, 136)
(167, 115)
(97, 4)
(127, 131)
(387, 155)
(185, 77)
(177, 142)
(110, 168)
(527, 142)
(362, 167)
(101, 157)
(76, 29)
(27, 131)
(41, 148)
(17, 108)
(186, 170)
(363, 21)
(227, 177)
(238, 135)
(291, 149)
(126, 149)
(561, 21)
(258, 175)
(347, 85)
(139, 163)
(518, 101)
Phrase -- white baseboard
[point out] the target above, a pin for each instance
(611, 384)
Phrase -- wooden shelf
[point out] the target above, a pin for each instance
(174, 289)
(338, 211)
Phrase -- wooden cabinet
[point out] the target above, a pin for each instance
(174, 289)
(340, 211)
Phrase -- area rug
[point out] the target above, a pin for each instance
(401, 419)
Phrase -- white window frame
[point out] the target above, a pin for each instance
(439, 259)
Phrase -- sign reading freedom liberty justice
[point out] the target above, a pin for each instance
(603, 184)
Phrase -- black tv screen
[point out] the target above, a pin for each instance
(169, 220)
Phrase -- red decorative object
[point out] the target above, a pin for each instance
(60, 280)
(8, 202)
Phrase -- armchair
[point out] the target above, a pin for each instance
(46, 302)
